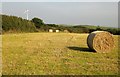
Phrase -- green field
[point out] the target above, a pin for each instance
(56, 54)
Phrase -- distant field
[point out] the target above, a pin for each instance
(102, 27)
(55, 53)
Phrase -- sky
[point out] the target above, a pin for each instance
(71, 13)
(60, 0)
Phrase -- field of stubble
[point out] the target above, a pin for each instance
(55, 54)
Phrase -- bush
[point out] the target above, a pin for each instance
(113, 31)
(17, 24)
(38, 22)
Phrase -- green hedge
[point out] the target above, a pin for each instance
(17, 24)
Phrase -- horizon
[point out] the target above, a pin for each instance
(68, 24)
(105, 13)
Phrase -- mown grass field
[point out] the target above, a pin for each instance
(0, 55)
(56, 54)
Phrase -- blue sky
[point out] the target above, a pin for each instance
(84, 13)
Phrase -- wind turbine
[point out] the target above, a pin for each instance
(26, 11)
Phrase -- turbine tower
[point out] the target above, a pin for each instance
(26, 11)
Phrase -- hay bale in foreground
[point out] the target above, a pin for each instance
(100, 41)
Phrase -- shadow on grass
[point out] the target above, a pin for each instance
(81, 49)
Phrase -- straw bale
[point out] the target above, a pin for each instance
(100, 41)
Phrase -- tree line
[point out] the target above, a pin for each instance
(18, 24)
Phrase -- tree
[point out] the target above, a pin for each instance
(98, 28)
(16, 24)
(38, 22)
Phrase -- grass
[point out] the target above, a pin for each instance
(0, 55)
(55, 54)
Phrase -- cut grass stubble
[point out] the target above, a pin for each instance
(55, 53)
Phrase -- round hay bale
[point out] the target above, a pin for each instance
(66, 31)
(100, 41)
